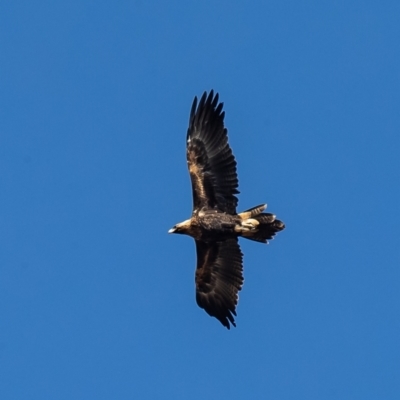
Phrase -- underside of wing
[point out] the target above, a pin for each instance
(212, 166)
(219, 278)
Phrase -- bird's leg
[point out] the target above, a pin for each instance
(247, 225)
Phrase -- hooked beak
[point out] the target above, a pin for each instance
(172, 230)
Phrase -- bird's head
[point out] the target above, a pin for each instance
(181, 227)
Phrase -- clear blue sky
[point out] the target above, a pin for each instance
(97, 300)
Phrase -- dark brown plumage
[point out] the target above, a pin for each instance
(214, 224)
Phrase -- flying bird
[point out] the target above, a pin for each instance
(214, 224)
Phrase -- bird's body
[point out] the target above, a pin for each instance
(214, 224)
(210, 225)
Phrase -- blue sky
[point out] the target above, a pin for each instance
(97, 300)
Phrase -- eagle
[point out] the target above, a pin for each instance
(215, 225)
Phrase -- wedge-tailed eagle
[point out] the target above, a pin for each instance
(214, 224)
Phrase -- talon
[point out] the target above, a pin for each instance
(247, 225)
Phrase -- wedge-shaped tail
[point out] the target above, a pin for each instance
(260, 226)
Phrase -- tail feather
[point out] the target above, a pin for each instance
(266, 229)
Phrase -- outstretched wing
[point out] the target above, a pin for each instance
(212, 166)
(219, 277)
